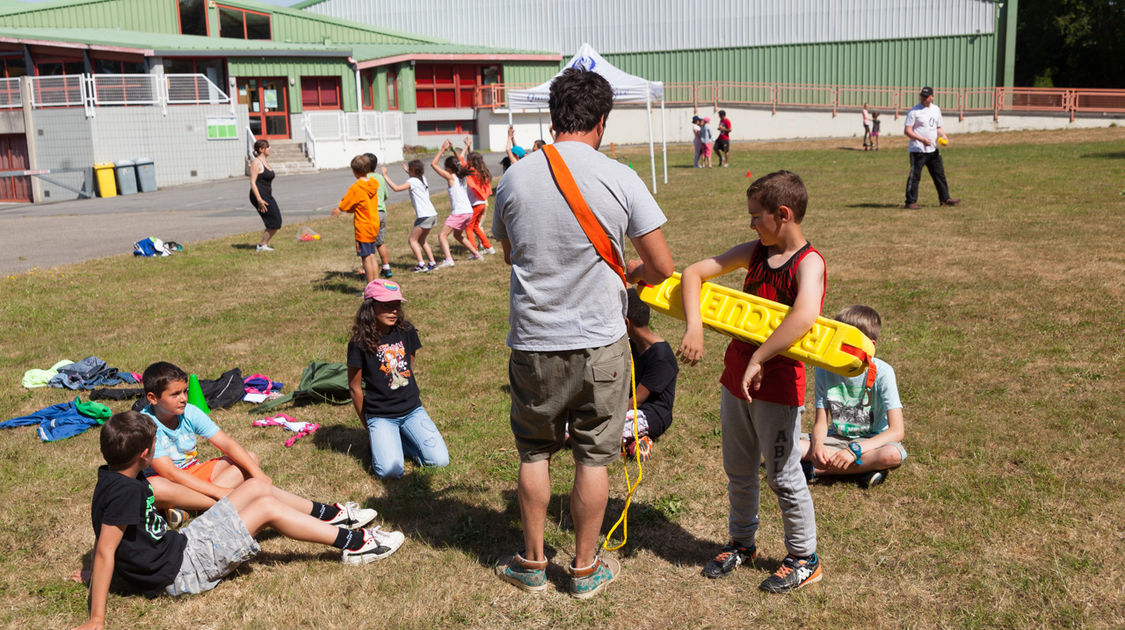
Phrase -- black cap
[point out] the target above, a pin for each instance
(695, 118)
(926, 92)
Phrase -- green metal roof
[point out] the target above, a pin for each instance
(173, 45)
(367, 52)
(9, 7)
(305, 3)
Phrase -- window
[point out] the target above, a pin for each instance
(12, 66)
(118, 66)
(451, 85)
(430, 127)
(392, 89)
(320, 92)
(242, 24)
(193, 17)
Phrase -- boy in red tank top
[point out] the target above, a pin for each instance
(763, 393)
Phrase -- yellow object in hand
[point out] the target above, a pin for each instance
(829, 344)
(942, 141)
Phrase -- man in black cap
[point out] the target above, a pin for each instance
(923, 127)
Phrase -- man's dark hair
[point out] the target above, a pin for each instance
(579, 100)
(124, 436)
(638, 312)
(158, 376)
(780, 188)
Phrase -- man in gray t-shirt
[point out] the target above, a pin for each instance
(569, 369)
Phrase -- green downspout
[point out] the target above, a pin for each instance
(1011, 11)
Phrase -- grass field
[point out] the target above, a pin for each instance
(1003, 318)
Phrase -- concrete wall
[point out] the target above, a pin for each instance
(629, 125)
(63, 140)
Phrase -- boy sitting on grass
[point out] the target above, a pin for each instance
(133, 543)
(858, 428)
(656, 372)
(362, 201)
(186, 482)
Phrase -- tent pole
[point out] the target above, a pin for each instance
(539, 115)
(651, 151)
(664, 139)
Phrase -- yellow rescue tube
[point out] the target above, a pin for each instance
(829, 344)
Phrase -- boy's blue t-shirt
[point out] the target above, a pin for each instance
(842, 397)
(179, 444)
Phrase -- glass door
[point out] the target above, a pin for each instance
(268, 103)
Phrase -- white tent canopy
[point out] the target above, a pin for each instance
(626, 89)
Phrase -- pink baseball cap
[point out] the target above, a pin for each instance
(706, 120)
(383, 291)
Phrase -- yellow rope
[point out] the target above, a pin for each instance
(623, 521)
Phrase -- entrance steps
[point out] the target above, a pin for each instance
(287, 157)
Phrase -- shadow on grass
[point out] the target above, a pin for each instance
(1108, 155)
(874, 205)
(860, 149)
(244, 246)
(346, 282)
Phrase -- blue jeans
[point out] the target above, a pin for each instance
(414, 434)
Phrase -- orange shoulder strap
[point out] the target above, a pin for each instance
(594, 230)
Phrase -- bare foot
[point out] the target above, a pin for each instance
(81, 576)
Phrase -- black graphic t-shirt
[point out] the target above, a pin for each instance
(150, 554)
(656, 369)
(389, 388)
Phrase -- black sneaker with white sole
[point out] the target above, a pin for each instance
(351, 516)
(873, 478)
(730, 558)
(377, 544)
(793, 573)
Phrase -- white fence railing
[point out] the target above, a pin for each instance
(337, 125)
(110, 90)
(11, 94)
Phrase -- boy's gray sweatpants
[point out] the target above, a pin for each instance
(752, 430)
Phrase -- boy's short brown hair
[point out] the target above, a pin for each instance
(361, 165)
(159, 375)
(124, 436)
(780, 188)
(865, 318)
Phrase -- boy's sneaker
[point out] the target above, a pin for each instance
(809, 470)
(175, 517)
(263, 248)
(432, 265)
(873, 478)
(490, 250)
(420, 268)
(352, 516)
(730, 558)
(793, 573)
(585, 583)
(448, 262)
(377, 544)
(386, 272)
(523, 574)
(644, 445)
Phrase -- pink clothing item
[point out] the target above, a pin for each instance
(706, 149)
(459, 221)
(383, 291)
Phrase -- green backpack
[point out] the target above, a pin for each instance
(320, 382)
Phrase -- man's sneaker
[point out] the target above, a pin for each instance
(585, 583)
(523, 574)
(263, 248)
(377, 544)
(873, 478)
(352, 516)
(793, 573)
(448, 262)
(913, 206)
(420, 268)
(951, 202)
(175, 517)
(386, 272)
(729, 559)
(432, 265)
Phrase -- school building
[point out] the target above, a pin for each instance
(191, 84)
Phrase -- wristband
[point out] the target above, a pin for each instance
(856, 450)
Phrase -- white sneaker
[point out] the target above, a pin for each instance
(448, 262)
(478, 256)
(490, 250)
(352, 516)
(377, 544)
(263, 248)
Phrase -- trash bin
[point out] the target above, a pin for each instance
(126, 177)
(146, 175)
(103, 174)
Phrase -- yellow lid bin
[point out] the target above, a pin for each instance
(103, 173)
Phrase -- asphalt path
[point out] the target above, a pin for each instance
(66, 232)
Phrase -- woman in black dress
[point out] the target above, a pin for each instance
(261, 194)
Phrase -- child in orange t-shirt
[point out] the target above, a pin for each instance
(361, 200)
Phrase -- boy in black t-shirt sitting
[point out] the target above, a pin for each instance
(656, 369)
(133, 542)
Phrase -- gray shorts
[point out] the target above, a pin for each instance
(426, 223)
(839, 443)
(379, 240)
(587, 389)
(217, 542)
